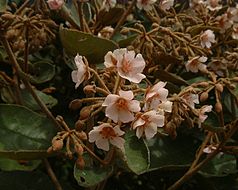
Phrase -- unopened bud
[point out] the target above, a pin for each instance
(80, 163)
(8, 16)
(10, 33)
(203, 84)
(50, 150)
(219, 87)
(79, 125)
(155, 25)
(125, 31)
(75, 104)
(139, 26)
(78, 149)
(57, 144)
(232, 86)
(82, 135)
(204, 96)
(85, 112)
(235, 79)
(218, 107)
(89, 89)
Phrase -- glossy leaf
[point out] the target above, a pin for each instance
(136, 153)
(92, 47)
(24, 134)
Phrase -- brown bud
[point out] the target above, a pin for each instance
(218, 107)
(204, 96)
(155, 25)
(57, 144)
(50, 150)
(235, 79)
(8, 16)
(232, 86)
(219, 87)
(125, 31)
(82, 135)
(89, 89)
(79, 125)
(85, 112)
(80, 163)
(78, 149)
(75, 104)
(10, 33)
(203, 84)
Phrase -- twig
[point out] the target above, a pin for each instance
(52, 175)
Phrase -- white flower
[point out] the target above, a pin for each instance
(209, 149)
(145, 4)
(155, 96)
(104, 134)
(165, 106)
(235, 32)
(224, 22)
(147, 123)
(207, 38)
(55, 4)
(111, 58)
(195, 64)
(166, 4)
(82, 73)
(213, 5)
(201, 114)
(190, 99)
(108, 4)
(121, 107)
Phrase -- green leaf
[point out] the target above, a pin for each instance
(110, 17)
(90, 46)
(24, 134)
(171, 153)
(3, 5)
(221, 165)
(136, 153)
(42, 72)
(11, 165)
(91, 175)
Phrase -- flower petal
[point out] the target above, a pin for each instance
(102, 144)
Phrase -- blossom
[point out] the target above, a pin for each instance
(147, 123)
(207, 38)
(224, 22)
(213, 5)
(104, 134)
(145, 4)
(190, 99)
(121, 107)
(201, 113)
(165, 106)
(209, 149)
(55, 4)
(82, 73)
(166, 4)
(235, 32)
(108, 4)
(155, 96)
(111, 58)
(195, 64)
(232, 13)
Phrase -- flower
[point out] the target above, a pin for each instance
(111, 58)
(105, 133)
(166, 4)
(235, 32)
(78, 76)
(207, 38)
(224, 22)
(147, 123)
(195, 64)
(145, 4)
(108, 4)
(121, 107)
(201, 113)
(165, 106)
(190, 99)
(130, 67)
(55, 4)
(209, 149)
(213, 5)
(155, 96)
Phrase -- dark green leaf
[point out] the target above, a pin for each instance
(24, 134)
(136, 153)
(3, 5)
(110, 17)
(92, 47)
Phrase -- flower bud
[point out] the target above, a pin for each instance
(204, 96)
(57, 144)
(85, 112)
(78, 149)
(89, 89)
(75, 104)
(50, 150)
(235, 79)
(232, 86)
(219, 87)
(80, 163)
(203, 84)
(125, 31)
(8, 16)
(79, 125)
(82, 135)
(218, 107)
(155, 25)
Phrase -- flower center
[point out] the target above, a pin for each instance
(204, 38)
(122, 104)
(114, 61)
(144, 2)
(108, 132)
(213, 3)
(126, 66)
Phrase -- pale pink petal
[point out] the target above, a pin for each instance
(137, 123)
(102, 144)
(128, 95)
(135, 78)
(202, 59)
(112, 112)
(150, 130)
(118, 130)
(166, 106)
(118, 142)
(125, 116)
(108, 60)
(93, 136)
(134, 106)
(139, 132)
(110, 99)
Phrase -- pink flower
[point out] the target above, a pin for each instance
(224, 22)
(195, 64)
(166, 4)
(121, 107)
(165, 106)
(147, 123)
(207, 38)
(213, 5)
(201, 114)
(108, 4)
(78, 76)
(55, 4)
(130, 67)
(111, 58)
(104, 134)
(145, 4)
(155, 96)
(209, 149)
(190, 99)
